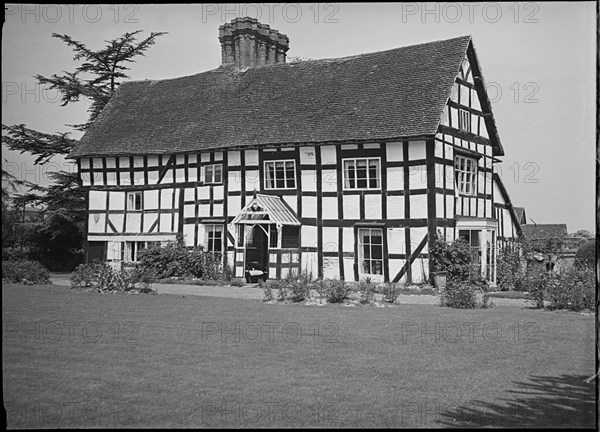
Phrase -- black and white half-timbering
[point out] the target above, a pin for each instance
(346, 168)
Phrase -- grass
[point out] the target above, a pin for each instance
(80, 359)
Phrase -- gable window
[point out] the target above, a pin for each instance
(280, 174)
(370, 250)
(362, 173)
(134, 201)
(213, 173)
(465, 170)
(464, 120)
(214, 238)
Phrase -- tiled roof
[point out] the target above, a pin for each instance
(544, 231)
(382, 95)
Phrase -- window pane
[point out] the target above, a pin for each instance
(218, 173)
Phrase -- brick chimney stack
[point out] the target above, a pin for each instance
(247, 43)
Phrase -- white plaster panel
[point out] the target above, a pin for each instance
(450, 207)
(348, 239)
(111, 178)
(151, 199)
(328, 155)
(165, 222)
(307, 155)
(395, 178)
(372, 206)
(233, 158)
(329, 180)
(234, 205)
(97, 163)
(395, 208)
(188, 234)
(218, 156)
(166, 198)
(218, 192)
(351, 207)
(252, 180)
(349, 147)
(203, 210)
(133, 222)
(96, 223)
(394, 151)
(371, 146)
(251, 158)
(396, 241)
(439, 205)
(138, 178)
(348, 269)
(330, 208)
(116, 200)
(417, 177)
(85, 178)
(97, 200)
(330, 239)
(309, 180)
(331, 268)
(203, 192)
(189, 210)
(416, 150)
(233, 182)
(308, 235)
(124, 178)
(217, 210)
(418, 206)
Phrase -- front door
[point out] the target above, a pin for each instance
(257, 249)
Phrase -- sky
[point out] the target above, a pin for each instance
(537, 59)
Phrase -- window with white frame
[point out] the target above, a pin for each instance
(134, 201)
(213, 173)
(280, 174)
(370, 250)
(130, 250)
(464, 120)
(362, 173)
(465, 171)
(214, 238)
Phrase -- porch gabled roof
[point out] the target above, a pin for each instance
(267, 209)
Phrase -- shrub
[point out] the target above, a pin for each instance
(102, 277)
(453, 258)
(459, 293)
(390, 292)
(574, 290)
(238, 282)
(175, 260)
(267, 291)
(508, 265)
(335, 290)
(25, 271)
(367, 291)
(536, 285)
(586, 254)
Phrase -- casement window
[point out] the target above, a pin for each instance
(464, 120)
(370, 250)
(362, 173)
(214, 238)
(280, 174)
(213, 173)
(465, 171)
(134, 201)
(130, 250)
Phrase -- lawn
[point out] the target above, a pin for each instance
(81, 359)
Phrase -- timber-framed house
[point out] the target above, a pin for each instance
(347, 168)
